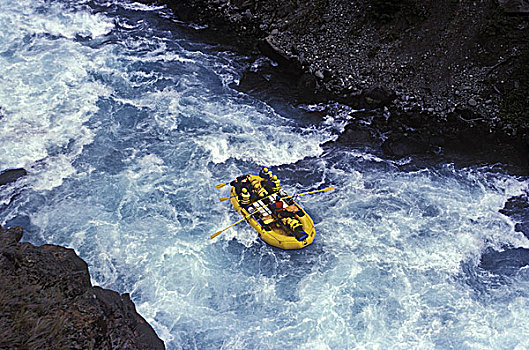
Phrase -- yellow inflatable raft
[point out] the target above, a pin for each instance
(277, 218)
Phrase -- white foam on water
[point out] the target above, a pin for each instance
(53, 18)
(48, 94)
(252, 144)
(401, 240)
(138, 6)
(235, 129)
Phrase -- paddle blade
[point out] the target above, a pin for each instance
(222, 199)
(219, 186)
(216, 234)
(311, 192)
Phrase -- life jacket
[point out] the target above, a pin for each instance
(275, 185)
(240, 182)
(255, 183)
(292, 223)
(296, 227)
(262, 192)
(263, 174)
(245, 198)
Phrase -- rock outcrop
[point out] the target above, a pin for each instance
(48, 302)
(515, 7)
(506, 262)
(11, 175)
(429, 61)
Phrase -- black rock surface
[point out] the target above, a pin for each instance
(11, 175)
(458, 67)
(48, 302)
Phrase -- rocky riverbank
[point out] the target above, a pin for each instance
(445, 76)
(48, 302)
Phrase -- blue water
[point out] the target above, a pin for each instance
(126, 120)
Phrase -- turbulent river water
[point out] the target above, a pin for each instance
(126, 120)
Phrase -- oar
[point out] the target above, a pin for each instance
(219, 186)
(235, 223)
(325, 189)
(222, 199)
(218, 233)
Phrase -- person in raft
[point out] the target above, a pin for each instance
(275, 184)
(245, 197)
(241, 182)
(264, 173)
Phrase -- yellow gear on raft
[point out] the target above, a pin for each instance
(287, 227)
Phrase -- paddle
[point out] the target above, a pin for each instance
(222, 199)
(323, 190)
(235, 223)
(244, 218)
(218, 233)
(219, 186)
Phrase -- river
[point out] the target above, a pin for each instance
(125, 120)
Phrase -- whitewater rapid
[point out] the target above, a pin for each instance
(126, 122)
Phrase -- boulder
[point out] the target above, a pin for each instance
(356, 134)
(11, 175)
(507, 262)
(288, 62)
(515, 7)
(401, 145)
(379, 96)
(517, 208)
(48, 302)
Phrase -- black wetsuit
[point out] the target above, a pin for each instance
(262, 174)
(240, 182)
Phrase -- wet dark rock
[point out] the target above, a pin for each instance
(251, 80)
(404, 145)
(307, 85)
(47, 302)
(356, 134)
(10, 237)
(11, 175)
(363, 53)
(379, 96)
(522, 227)
(515, 7)
(288, 62)
(507, 262)
(517, 208)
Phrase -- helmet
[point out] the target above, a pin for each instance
(274, 177)
(265, 170)
(244, 190)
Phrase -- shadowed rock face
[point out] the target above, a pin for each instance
(11, 175)
(515, 7)
(517, 208)
(459, 68)
(48, 302)
(507, 262)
